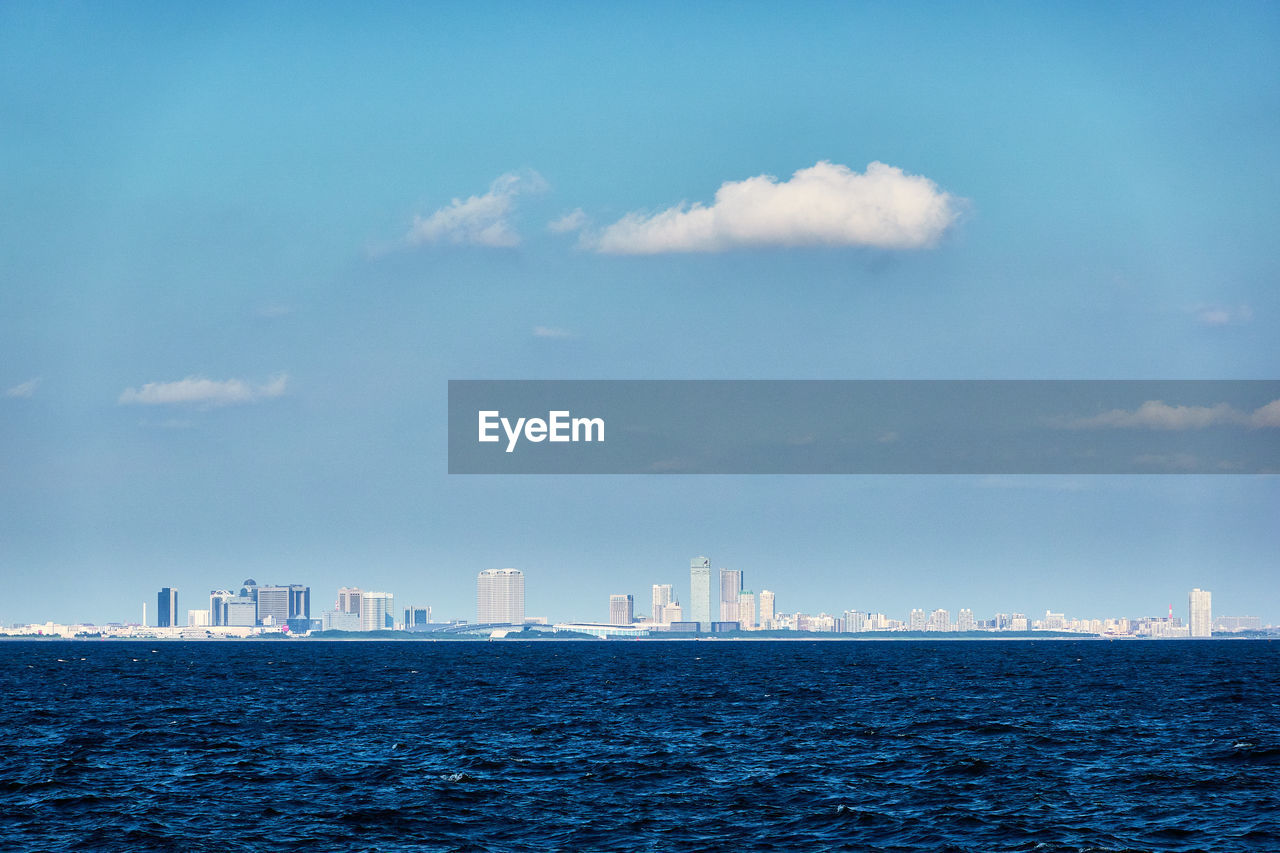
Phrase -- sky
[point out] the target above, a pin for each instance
(244, 247)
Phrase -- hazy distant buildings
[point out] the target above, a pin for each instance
(747, 610)
(500, 597)
(1199, 605)
(730, 589)
(964, 621)
(916, 622)
(767, 609)
(376, 610)
(348, 600)
(1233, 624)
(198, 619)
(622, 609)
(663, 597)
(279, 604)
(939, 620)
(700, 592)
(167, 608)
(416, 617)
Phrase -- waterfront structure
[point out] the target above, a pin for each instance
(767, 609)
(1199, 605)
(730, 589)
(747, 610)
(663, 597)
(348, 600)
(622, 609)
(375, 611)
(700, 592)
(167, 608)
(500, 597)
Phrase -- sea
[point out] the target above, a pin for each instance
(626, 745)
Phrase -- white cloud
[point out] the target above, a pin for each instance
(1224, 315)
(196, 390)
(26, 389)
(574, 220)
(481, 220)
(1155, 414)
(826, 204)
(551, 332)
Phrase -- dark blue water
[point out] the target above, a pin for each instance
(640, 746)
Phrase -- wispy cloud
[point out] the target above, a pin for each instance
(551, 332)
(826, 204)
(26, 389)
(198, 391)
(480, 220)
(1155, 414)
(574, 220)
(1223, 315)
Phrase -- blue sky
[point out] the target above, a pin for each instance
(230, 194)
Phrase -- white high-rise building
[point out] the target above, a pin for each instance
(939, 620)
(662, 598)
(622, 609)
(500, 597)
(964, 622)
(1200, 605)
(198, 618)
(700, 592)
(916, 622)
(766, 609)
(375, 607)
(730, 589)
(747, 610)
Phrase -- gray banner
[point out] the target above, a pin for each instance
(864, 427)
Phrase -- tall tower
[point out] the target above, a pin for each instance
(747, 610)
(662, 598)
(167, 608)
(730, 589)
(700, 592)
(500, 597)
(766, 609)
(375, 607)
(1199, 606)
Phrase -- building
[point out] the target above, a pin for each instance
(279, 604)
(348, 600)
(1199, 605)
(964, 622)
(916, 622)
(1234, 624)
(339, 620)
(730, 589)
(167, 608)
(747, 610)
(939, 620)
(416, 617)
(767, 609)
(700, 592)
(376, 611)
(672, 613)
(663, 597)
(622, 609)
(198, 619)
(500, 597)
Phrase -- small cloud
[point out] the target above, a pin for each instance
(887, 437)
(575, 220)
(1155, 414)
(480, 220)
(24, 390)
(826, 204)
(551, 332)
(1223, 315)
(273, 311)
(196, 390)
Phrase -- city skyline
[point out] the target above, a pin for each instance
(242, 267)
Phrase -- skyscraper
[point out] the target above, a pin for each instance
(348, 600)
(622, 609)
(1199, 605)
(662, 598)
(375, 608)
(916, 622)
(700, 592)
(500, 597)
(730, 588)
(747, 610)
(167, 608)
(767, 613)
